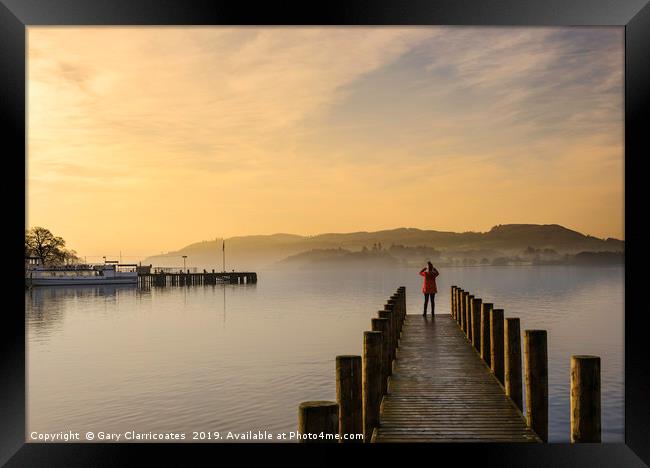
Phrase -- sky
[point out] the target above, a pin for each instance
(144, 140)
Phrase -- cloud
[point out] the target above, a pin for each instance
(201, 96)
(309, 126)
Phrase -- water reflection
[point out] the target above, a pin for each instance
(43, 302)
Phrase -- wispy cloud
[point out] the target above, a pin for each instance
(303, 129)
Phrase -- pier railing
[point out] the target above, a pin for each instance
(498, 341)
(363, 381)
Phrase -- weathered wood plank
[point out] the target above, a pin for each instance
(442, 390)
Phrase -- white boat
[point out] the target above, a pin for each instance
(107, 273)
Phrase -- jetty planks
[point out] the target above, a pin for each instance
(441, 390)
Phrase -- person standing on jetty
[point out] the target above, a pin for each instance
(429, 287)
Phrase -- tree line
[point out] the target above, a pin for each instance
(40, 242)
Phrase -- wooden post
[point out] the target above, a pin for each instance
(453, 301)
(463, 304)
(395, 308)
(400, 308)
(402, 291)
(392, 300)
(468, 317)
(585, 399)
(468, 301)
(496, 343)
(399, 296)
(470, 307)
(387, 314)
(536, 374)
(383, 325)
(476, 324)
(393, 327)
(468, 311)
(371, 382)
(486, 307)
(512, 364)
(398, 320)
(348, 395)
(459, 306)
(315, 417)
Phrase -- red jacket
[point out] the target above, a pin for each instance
(429, 286)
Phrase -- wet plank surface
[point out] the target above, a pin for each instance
(442, 391)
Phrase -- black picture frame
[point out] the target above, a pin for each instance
(634, 15)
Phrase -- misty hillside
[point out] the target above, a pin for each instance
(323, 258)
(268, 251)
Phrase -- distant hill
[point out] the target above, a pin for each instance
(268, 251)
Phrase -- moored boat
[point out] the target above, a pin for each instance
(36, 274)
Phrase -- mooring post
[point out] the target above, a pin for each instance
(470, 307)
(400, 307)
(398, 318)
(453, 302)
(451, 299)
(395, 308)
(388, 315)
(512, 364)
(486, 307)
(383, 325)
(403, 291)
(348, 396)
(585, 399)
(391, 316)
(316, 417)
(468, 301)
(476, 323)
(536, 374)
(496, 343)
(463, 302)
(371, 382)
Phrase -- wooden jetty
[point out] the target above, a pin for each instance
(442, 391)
(454, 377)
(186, 278)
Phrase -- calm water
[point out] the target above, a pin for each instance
(242, 357)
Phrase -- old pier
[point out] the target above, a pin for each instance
(187, 278)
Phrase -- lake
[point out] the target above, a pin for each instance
(242, 357)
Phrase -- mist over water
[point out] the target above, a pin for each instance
(242, 357)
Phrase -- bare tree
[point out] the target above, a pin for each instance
(40, 242)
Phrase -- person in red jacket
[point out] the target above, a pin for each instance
(429, 287)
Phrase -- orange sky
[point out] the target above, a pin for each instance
(143, 140)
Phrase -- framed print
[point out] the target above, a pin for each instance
(374, 226)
